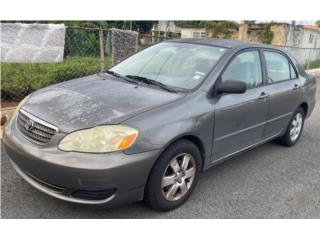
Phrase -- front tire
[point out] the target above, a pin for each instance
(174, 176)
(294, 130)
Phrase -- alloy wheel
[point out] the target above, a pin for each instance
(178, 177)
(296, 126)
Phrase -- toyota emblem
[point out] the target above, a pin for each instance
(29, 125)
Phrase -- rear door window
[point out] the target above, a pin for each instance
(278, 67)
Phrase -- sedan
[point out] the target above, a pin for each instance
(149, 126)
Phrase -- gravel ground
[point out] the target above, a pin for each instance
(268, 182)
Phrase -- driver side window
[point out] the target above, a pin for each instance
(245, 67)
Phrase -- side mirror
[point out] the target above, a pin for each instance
(231, 86)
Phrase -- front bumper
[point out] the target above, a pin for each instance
(61, 174)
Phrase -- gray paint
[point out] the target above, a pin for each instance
(223, 125)
(94, 100)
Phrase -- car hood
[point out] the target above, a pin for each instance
(94, 100)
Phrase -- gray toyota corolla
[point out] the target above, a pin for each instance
(147, 128)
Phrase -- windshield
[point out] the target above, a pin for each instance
(181, 65)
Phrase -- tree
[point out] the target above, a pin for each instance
(219, 27)
(266, 35)
(318, 23)
(142, 26)
(249, 22)
(189, 24)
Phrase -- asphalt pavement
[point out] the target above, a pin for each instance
(270, 181)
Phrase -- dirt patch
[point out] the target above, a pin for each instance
(9, 104)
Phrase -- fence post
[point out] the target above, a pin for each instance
(137, 43)
(102, 67)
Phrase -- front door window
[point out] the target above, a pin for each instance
(245, 67)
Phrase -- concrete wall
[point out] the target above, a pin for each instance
(315, 43)
(243, 32)
(284, 35)
(297, 42)
(298, 36)
(303, 55)
(246, 34)
(32, 42)
(279, 35)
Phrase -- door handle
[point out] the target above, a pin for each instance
(296, 86)
(263, 95)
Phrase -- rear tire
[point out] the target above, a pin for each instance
(174, 176)
(294, 130)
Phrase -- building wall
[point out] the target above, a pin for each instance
(193, 32)
(166, 26)
(247, 34)
(243, 32)
(293, 36)
(284, 35)
(311, 39)
(300, 45)
(279, 35)
(298, 36)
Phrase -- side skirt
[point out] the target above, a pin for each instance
(238, 152)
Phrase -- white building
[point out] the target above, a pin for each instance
(193, 33)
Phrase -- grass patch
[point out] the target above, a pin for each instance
(19, 79)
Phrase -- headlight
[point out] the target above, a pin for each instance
(100, 139)
(19, 106)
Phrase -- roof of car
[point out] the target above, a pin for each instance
(227, 43)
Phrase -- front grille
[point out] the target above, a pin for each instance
(35, 129)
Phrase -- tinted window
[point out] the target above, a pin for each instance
(277, 67)
(245, 67)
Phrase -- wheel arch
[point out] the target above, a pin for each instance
(192, 138)
(305, 107)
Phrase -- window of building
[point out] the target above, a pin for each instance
(199, 34)
(196, 34)
(311, 37)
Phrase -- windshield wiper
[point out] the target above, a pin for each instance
(120, 76)
(151, 81)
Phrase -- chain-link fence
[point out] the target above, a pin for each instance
(88, 51)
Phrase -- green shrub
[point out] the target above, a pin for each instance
(19, 79)
(312, 64)
(81, 43)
